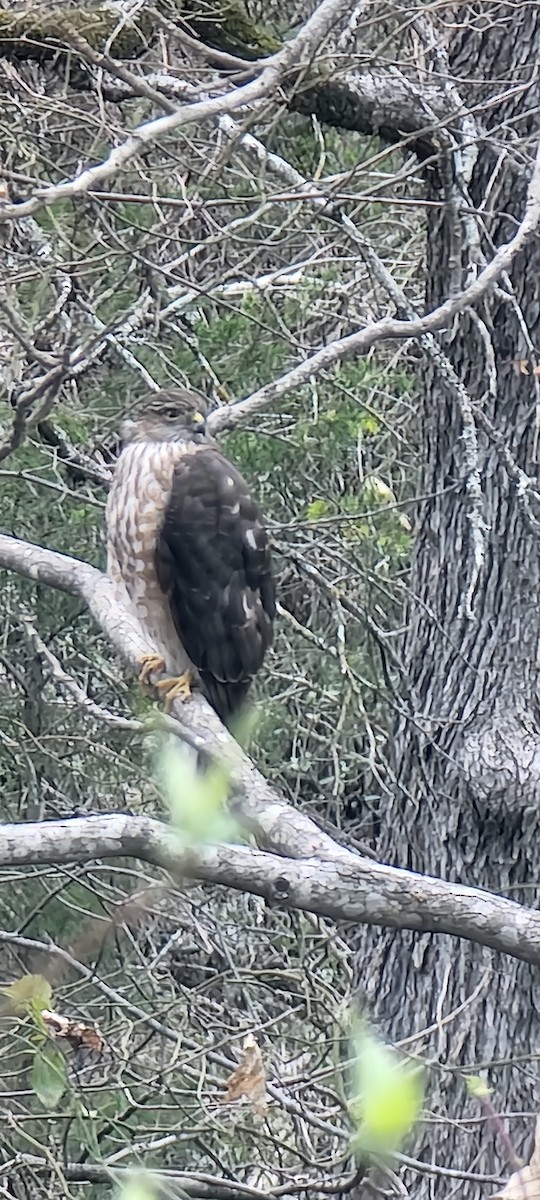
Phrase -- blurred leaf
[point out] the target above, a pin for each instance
(138, 1188)
(196, 798)
(378, 490)
(477, 1087)
(369, 423)
(49, 1075)
(244, 725)
(85, 1125)
(317, 508)
(388, 1094)
(29, 994)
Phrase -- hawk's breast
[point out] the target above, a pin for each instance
(136, 510)
(189, 550)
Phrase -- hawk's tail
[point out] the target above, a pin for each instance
(226, 698)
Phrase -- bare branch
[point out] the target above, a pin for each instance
(348, 889)
(197, 1186)
(261, 807)
(360, 342)
(300, 49)
(67, 684)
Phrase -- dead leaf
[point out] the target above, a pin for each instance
(76, 1033)
(525, 1183)
(249, 1079)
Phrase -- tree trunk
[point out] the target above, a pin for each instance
(467, 759)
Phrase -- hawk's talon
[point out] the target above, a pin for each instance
(150, 663)
(178, 688)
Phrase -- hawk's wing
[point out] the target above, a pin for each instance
(213, 562)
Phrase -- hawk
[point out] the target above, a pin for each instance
(188, 549)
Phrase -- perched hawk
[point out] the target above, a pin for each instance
(187, 543)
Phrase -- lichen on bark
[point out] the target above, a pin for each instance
(227, 26)
(39, 33)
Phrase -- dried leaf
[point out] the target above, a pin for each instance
(525, 1183)
(525, 366)
(377, 490)
(74, 1032)
(249, 1079)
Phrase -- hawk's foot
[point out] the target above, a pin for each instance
(150, 663)
(178, 688)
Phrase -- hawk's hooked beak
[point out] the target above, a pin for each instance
(198, 423)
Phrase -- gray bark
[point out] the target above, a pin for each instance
(467, 757)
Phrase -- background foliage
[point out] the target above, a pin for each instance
(193, 268)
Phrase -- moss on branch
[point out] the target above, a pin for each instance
(39, 33)
(225, 25)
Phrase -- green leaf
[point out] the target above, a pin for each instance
(138, 1188)
(369, 423)
(388, 1095)
(85, 1126)
(49, 1075)
(377, 490)
(477, 1087)
(317, 508)
(196, 798)
(29, 994)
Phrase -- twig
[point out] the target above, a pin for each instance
(300, 49)
(67, 684)
(361, 341)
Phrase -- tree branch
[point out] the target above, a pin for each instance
(301, 49)
(355, 344)
(196, 1186)
(262, 810)
(331, 881)
(384, 103)
(347, 889)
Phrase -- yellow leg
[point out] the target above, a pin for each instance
(178, 688)
(150, 663)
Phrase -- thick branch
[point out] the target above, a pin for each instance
(40, 32)
(192, 1184)
(259, 805)
(380, 103)
(332, 882)
(347, 889)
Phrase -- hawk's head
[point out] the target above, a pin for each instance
(178, 415)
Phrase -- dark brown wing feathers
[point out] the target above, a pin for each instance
(213, 562)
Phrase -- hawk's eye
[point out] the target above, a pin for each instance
(170, 414)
